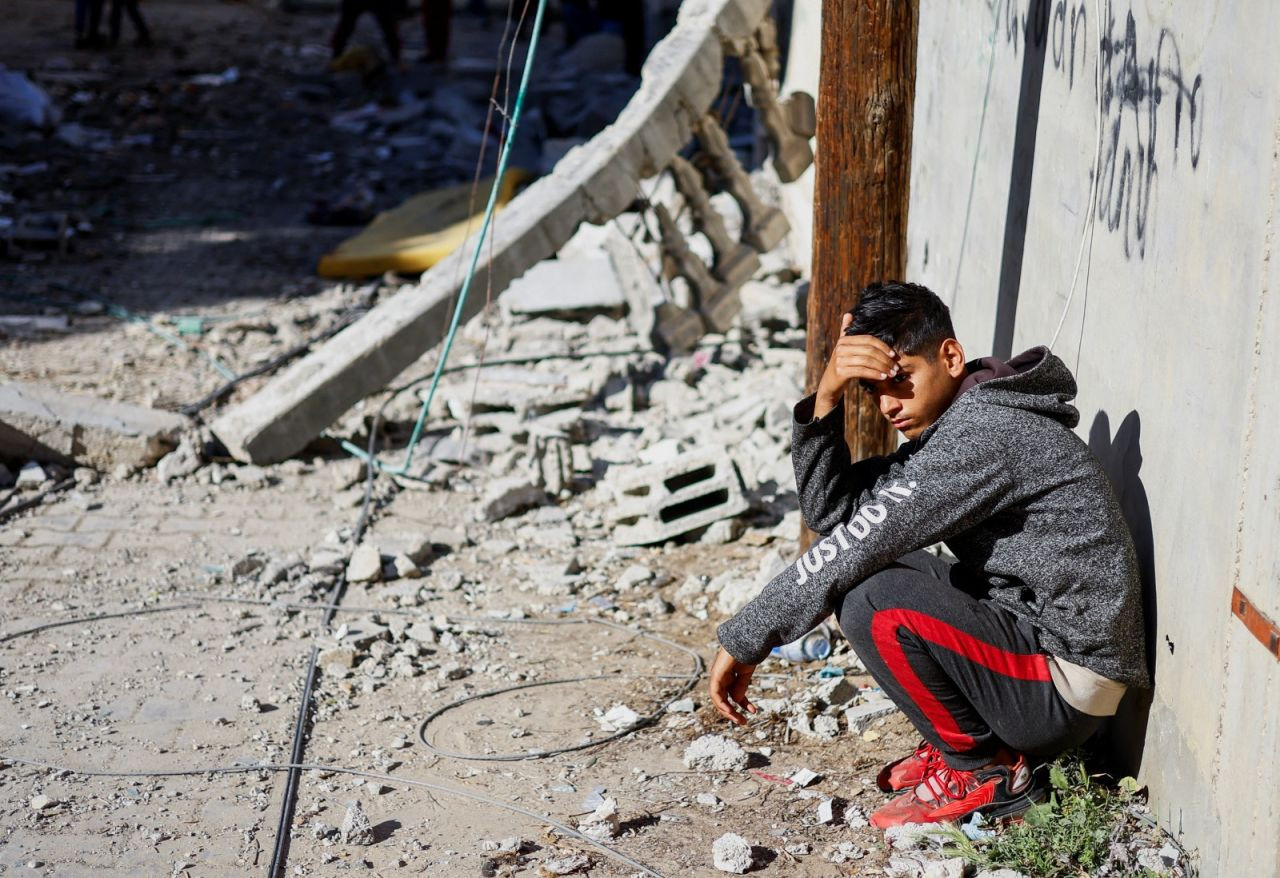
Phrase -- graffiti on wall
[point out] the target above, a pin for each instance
(1152, 107)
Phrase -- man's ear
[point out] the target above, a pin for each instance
(952, 353)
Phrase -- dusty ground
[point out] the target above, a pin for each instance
(196, 196)
(196, 202)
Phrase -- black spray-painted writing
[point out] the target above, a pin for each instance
(1143, 82)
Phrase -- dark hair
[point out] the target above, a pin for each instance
(910, 318)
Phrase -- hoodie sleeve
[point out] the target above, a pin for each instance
(946, 486)
(830, 487)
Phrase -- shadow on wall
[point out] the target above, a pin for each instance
(1122, 738)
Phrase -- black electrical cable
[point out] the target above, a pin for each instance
(37, 499)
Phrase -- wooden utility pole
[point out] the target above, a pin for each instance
(865, 96)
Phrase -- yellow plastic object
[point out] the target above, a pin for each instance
(419, 233)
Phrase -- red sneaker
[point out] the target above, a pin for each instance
(1002, 790)
(908, 771)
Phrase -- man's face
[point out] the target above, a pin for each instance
(921, 391)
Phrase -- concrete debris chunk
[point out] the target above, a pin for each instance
(855, 817)
(827, 811)
(618, 718)
(681, 705)
(711, 800)
(356, 826)
(731, 853)
(915, 835)
(602, 823)
(633, 576)
(802, 777)
(41, 802)
(953, 867)
(564, 865)
(860, 717)
(715, 753)
(182, 461)
(32, 474)
(41, 424)
(404, 567)
(821, 727)
(845, 852)
(365, 564)
(249, 704)
(506, 496)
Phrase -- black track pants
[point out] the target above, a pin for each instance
(968, 674)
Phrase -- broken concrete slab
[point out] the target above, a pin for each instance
(593, 183)
(41, 424)
(566, 285)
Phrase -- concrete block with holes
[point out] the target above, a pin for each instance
(656, 503)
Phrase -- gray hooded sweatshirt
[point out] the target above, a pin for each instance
(1000, 477)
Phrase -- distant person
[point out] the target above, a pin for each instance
(135, 16)
(385, 12)
(88, 24)
(436, 19)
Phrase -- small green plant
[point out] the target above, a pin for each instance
(1067, 836)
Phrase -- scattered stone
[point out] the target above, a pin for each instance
(507, 496)
(341, 658)
(454, 671)
(249, 704)
(565, 865)
(32, 475)
(327, 561)
(827, 811)
(618, 718)
(682, 705)
(356, 826)
(1000, 873)
(914, 835)
(321, 831)
(248, 566)
(955, 867)
(821, 727)
(41, 802)
(801, 778)
(799, 849)
(404, 568)
(602, 823)
(731, 853)
(711, 800)
(860, 717)
(420, 632)
(365, 564)
(855, 817)
(715, 753)
(845, 852)
(633, 576)
(182, 461)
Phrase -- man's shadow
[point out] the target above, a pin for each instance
(1122, 738)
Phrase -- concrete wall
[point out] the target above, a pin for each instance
(1173, 328)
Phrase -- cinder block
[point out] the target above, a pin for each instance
(656, 503)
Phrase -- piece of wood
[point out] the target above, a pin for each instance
(865, 95)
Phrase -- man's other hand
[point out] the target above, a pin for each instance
(854, 358)
(729, 679)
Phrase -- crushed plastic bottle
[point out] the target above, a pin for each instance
(813, 647)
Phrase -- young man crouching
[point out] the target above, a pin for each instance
(1021, 648)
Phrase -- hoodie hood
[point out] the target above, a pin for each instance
(1035, 380)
